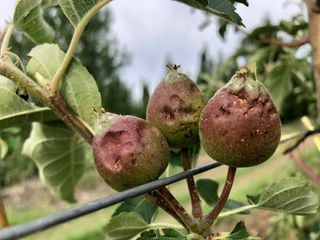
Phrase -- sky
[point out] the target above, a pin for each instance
(154, 31)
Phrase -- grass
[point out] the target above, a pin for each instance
(248, 181)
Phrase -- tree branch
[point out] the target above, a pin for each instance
(292, 44)
(301, 140)
(305, 168)
(195, 199)
(56, 103)
(3, 216)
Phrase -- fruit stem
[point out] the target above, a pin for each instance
(3, 216)
(190, 223)
(156, 198)
(194, 195)
(212, 216)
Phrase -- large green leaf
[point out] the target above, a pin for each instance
(291, 195)
(28, 17)
(60, 155)
(78, 87)
(76, 9)
(125, 226)
(221, 8)
(139, 205)
(14, 110)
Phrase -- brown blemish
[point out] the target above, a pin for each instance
(175, 101)
(168, 113)
(224, 110)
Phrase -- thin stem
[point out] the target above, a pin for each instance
(212, 216)
(188, 221)
(314, 33)
(305, 168)
(3, 216)
(6, 40)
(237, 210)
(54, 85)
(194, 195)
(56, 103)
(156, 198)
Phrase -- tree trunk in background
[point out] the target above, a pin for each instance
(314, 33)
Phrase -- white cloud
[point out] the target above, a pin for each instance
(154, 30)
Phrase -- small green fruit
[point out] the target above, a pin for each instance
(129, 152)
(240, 126)
(175, 107)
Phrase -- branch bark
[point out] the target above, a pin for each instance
(56, 103)
(305, 168)
(3, 216)
(314, 34)
(292, 44)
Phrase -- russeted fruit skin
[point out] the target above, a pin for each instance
(130, 152)
(240, 126)
(175, 107)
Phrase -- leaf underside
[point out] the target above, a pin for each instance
(60, 155)
(28, 17)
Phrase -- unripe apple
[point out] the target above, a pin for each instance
(240, 125)
(129, 152)
(175, 107)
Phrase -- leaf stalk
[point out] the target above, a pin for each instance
(55, 82)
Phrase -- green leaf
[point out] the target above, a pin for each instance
(28, 17)
(49, 3)
(164, 234)
(60, 155)
(208, 190)
(139, 205)
(76, 9)
(240, 233)
(4, 148)
(78, 87)
(221, 8)
(16, 111)
(279, 81)
(125, 226)
(291, 195)
(245, 2)
(233, 204)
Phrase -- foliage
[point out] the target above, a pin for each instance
(283, 67)
(60, 153)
